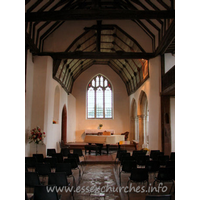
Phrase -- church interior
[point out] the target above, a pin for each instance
(100, 78)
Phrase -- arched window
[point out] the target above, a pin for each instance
(99, 98)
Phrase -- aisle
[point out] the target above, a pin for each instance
(95, 181)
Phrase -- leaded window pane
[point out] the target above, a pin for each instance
(99, 103)
(91, 103)
(99, 98)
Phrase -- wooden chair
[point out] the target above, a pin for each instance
(126, 135)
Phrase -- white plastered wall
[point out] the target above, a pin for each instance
(120, 123)
(40, 91)
(151, 87)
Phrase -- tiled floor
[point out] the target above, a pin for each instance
(100, 180)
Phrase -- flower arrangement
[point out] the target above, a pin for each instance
(100, 126)
(37, 135)
(54, 122)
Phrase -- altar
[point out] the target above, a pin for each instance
(106, 138)
(96, 131)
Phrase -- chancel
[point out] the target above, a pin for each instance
(100, 80)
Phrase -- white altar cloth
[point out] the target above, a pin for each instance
(104, 139)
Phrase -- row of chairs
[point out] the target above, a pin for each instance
(128, 162)
(52, 163)
(154, 154)
(150, 166)
(139, 175)
(58, 179)
(55, 158)
(43, 169)
(65, 152)
(142, 158)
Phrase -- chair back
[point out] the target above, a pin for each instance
(78, 151)
(59, 179)
(74, 156)
(72, 161)
(128, 165)
(165, 174)
(32, 179)
(64, 167)
(172, 156)
(138, 153)
(45, 193)
(39, 157)
(119, 151)
(163, 159)
(50, 152)
(142, 159)
(122, 154)
(155, 153)
(65, 152)
(43, 169)
(52, 161)
(30, 162)
(170, 163)
(152, 166)
(58, 156)
(139, 175)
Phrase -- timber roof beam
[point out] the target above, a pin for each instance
(98, 14)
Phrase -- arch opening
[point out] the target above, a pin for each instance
(134, 122)
(143, 118)
(64, 125)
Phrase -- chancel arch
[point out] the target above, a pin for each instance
(134, 122)
(143, 115)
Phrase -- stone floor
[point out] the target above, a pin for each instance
(100, 180)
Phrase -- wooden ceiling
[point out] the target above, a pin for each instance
(105, 44)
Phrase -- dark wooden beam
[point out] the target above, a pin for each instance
(98, 40)
(30, 43)
(97, 55)
(34, 6)
(98, 15)
(27, 1)
(167, 39)
(164, 4)
(103, 27)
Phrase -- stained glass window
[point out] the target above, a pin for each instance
(99, 98)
